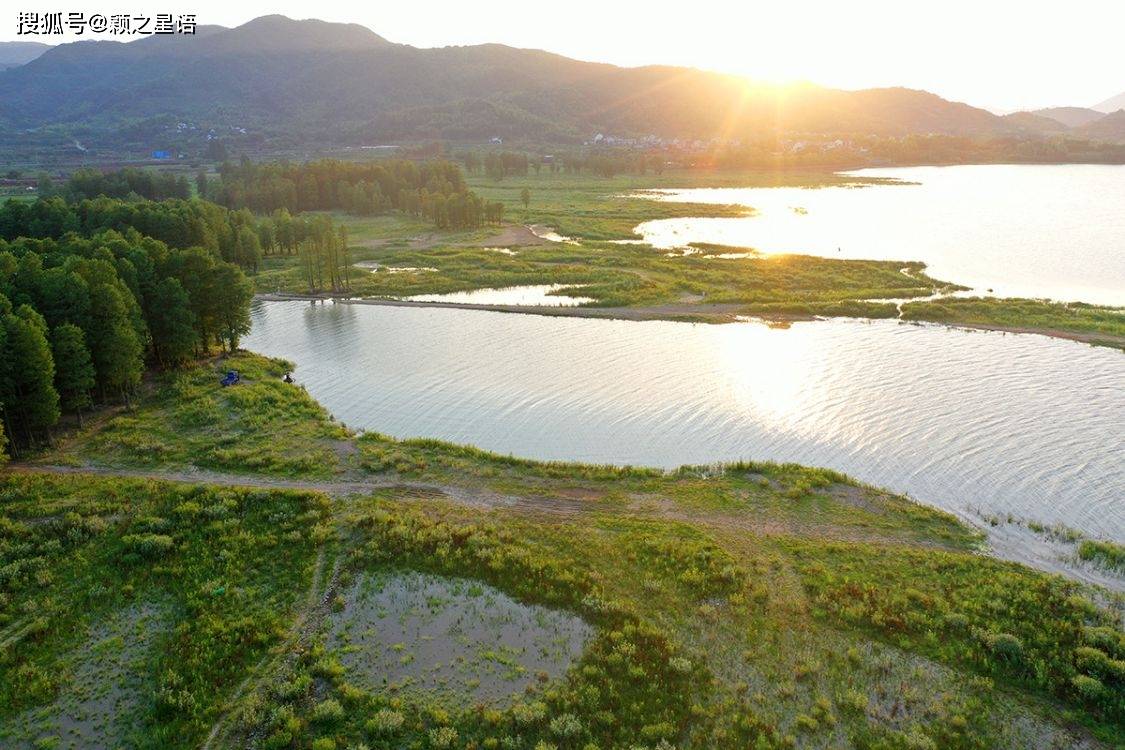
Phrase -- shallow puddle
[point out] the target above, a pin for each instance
(452, 639)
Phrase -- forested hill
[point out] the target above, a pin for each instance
(316, 80)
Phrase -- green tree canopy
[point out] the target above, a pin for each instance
(27, 389)
(74, 369)
(172, 324)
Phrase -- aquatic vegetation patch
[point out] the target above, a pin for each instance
(460, 641)
(1107, 554)
(630, 684)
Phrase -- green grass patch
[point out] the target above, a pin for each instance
(208, 577)
(261, 425)
(1107, 554)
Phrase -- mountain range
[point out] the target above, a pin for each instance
(13, 54)
(309, 80)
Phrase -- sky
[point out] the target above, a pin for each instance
(997, 54)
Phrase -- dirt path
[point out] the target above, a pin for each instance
(558, 507)
(483, 498)
(476, 497)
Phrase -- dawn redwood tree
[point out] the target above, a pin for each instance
(27, 388)
(62, 296)
(194, 268)
(74, 369)
(347, 267)
(248, 251)
(267, 237)
(172, 324)
(117, 350)
(233, 292)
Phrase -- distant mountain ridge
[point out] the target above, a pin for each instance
(1108, 128)
(1112, 104)
(20, 53)
(1071, 117)
(329, 81)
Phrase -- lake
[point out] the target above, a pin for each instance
(964, 420)
(1053, 231)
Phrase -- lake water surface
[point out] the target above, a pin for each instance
(962, 420)
(1054, 231)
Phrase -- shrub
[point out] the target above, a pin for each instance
(1091, 660)
(566, 725)
(385, 722)
(328, 712)
(147, 546)
(1004, 646)
(1088, 688)
(442, 738)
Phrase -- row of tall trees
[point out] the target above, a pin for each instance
(125, 183)
(82, 315)
(435, 190)
(230, 235)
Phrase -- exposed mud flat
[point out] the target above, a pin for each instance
(453, 640)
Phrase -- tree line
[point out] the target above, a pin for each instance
(232, 236)
(123, 183)
(81, 316)
(435, 190)
(321, 246)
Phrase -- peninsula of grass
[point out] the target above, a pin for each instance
(397, 256)
(609, 208)
(746, 605)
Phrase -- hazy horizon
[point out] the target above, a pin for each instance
(1046, 61)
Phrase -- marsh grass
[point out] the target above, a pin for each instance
(136, 641)
(1106, 554)
(1021, 313)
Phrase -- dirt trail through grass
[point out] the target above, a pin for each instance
(488, 499)
(316, 602)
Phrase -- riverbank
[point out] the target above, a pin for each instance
(695, 312)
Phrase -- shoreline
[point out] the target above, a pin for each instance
(715, 313)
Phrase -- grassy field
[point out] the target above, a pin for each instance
(750, 605)
(266, 426)
(401, 256)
